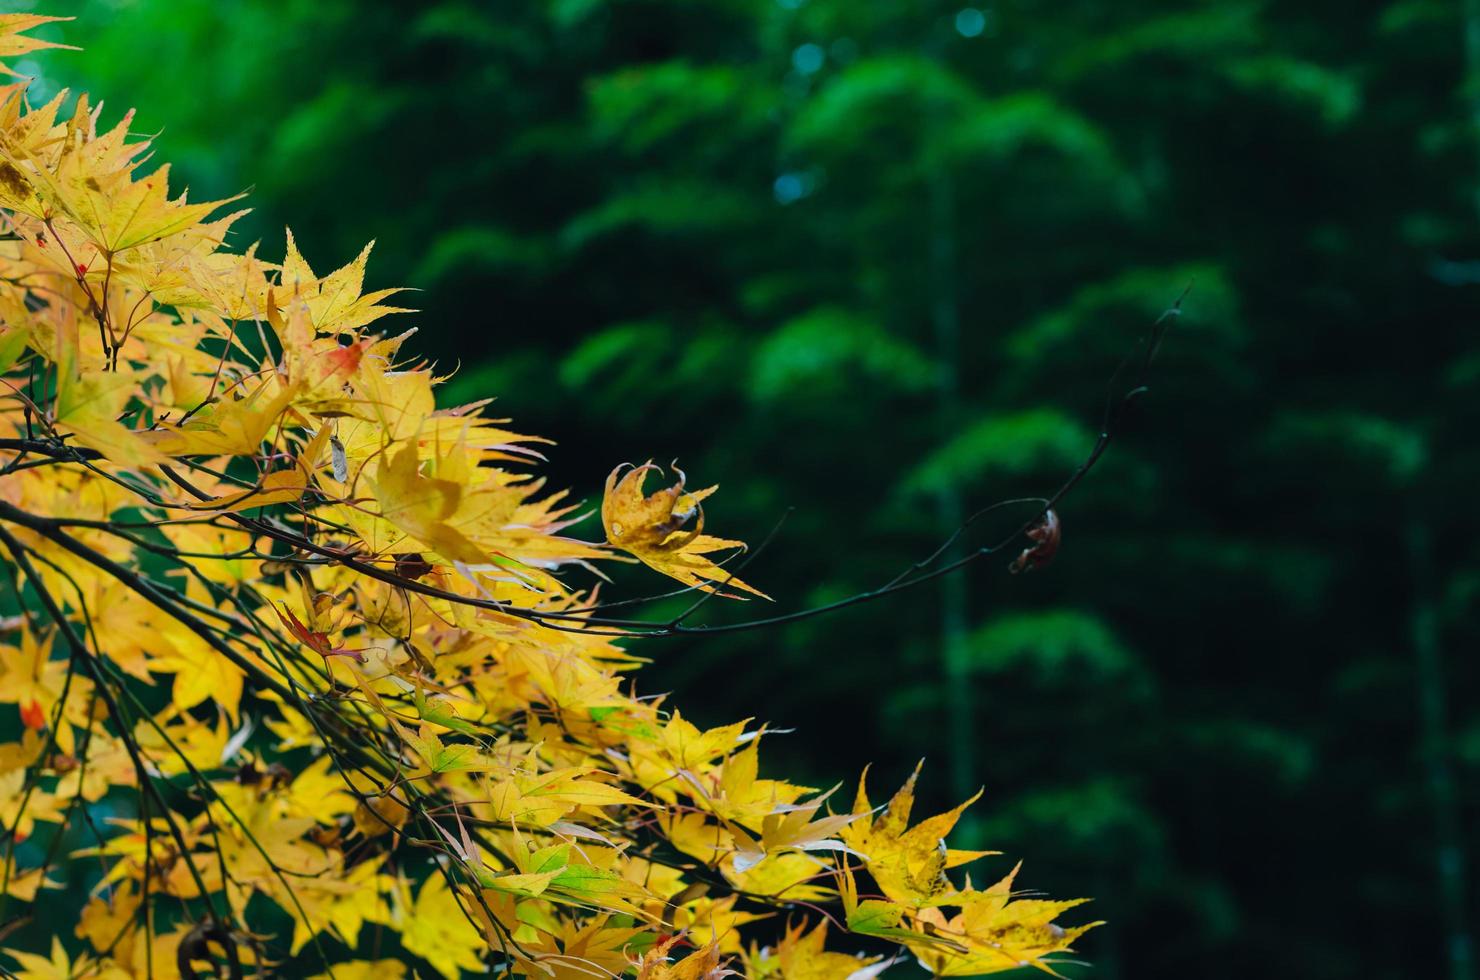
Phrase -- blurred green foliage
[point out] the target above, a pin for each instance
(874, 262)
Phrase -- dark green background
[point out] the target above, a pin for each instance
(874, 261)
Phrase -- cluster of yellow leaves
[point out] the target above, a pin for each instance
(312, 640)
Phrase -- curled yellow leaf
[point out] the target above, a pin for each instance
(655, 529)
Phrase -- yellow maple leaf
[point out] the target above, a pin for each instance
(13, 41)
(33, 966)
(702, 964)
(575, 951)
(335, 302)
(800, 956)
(909, 864)
(436, 929)
(32, 680)
(88, 404)
(237, 425)
(688, 747)
(654, 529)
(791, 875)
(994, 933)
(742, 796)
(105, 917)
(422, 505)
(341, 904)
(540, 800)
(365, 970)
(790, 827)
(20, 810)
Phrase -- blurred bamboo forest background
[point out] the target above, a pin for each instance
(874, 261)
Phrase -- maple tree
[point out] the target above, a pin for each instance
(284, 629)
